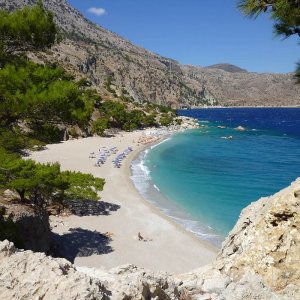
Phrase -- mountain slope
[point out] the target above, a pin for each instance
(106, 58)
(227, 68)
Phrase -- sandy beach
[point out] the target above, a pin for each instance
(169, 247)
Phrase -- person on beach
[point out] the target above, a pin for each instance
(140, 237)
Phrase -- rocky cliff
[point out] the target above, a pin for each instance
(265, 241)
(258, 260)
(28, 225)
(104, 57)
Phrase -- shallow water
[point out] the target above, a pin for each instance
(203, 181)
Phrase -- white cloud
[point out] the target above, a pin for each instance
(98, 11)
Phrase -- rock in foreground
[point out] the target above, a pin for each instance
(259, 260)
(29, 275)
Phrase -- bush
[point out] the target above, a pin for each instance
(150, 121)
(81, 186)
(166, 120)
(178, 121)
(29, 29)
(47, 133)
(99, 126)
(129, 126)
(42, 184)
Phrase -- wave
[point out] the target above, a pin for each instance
(140, 174)
(155, 186)
(163, 141)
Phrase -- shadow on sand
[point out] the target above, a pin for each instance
(91, 208)
(81, 242)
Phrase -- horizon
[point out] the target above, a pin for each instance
(246, 43)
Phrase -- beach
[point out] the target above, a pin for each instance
(166, 245)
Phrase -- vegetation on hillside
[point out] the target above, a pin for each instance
(37, 101)
(29, 29)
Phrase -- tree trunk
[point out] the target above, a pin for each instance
(21, 195)
(66, 134)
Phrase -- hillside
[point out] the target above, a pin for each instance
(107, 58)
(228, 68)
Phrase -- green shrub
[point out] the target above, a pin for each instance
(99, 126)
(165, 120)
(178, 121)
(47, 133)
(150, 121)
(42, 184)
(129, 126)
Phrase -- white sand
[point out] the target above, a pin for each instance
(172, 248)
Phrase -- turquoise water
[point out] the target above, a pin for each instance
(204, 181)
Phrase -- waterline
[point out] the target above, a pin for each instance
(141, 177)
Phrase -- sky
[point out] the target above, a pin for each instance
(196, 32)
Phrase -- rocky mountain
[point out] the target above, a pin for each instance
(110, 60)
(258, 260)
(228, 68)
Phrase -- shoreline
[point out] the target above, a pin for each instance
(225, 107)
(170, 248)
(165, 205)
(149, 203)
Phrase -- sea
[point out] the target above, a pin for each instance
(203, 178)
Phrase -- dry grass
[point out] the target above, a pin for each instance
(184, 295)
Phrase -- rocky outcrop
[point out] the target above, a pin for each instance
(131, 282)
(103, 57)
(266, 241)
(259, 260)
(31, 226)
(188, 123)
(28, 275)
(260, 257)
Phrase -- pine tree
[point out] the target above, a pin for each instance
(285, 13)
(29, 29)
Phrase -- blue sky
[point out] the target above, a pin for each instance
(197, 32)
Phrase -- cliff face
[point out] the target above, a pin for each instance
(99, 54)
(258, 260)
(266, 241)
(260, 257)
(31, 226)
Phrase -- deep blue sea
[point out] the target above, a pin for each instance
(203, 180)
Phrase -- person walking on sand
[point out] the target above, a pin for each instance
(140, 237)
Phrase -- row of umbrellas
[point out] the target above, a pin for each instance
(104, 153)
(118, 160)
